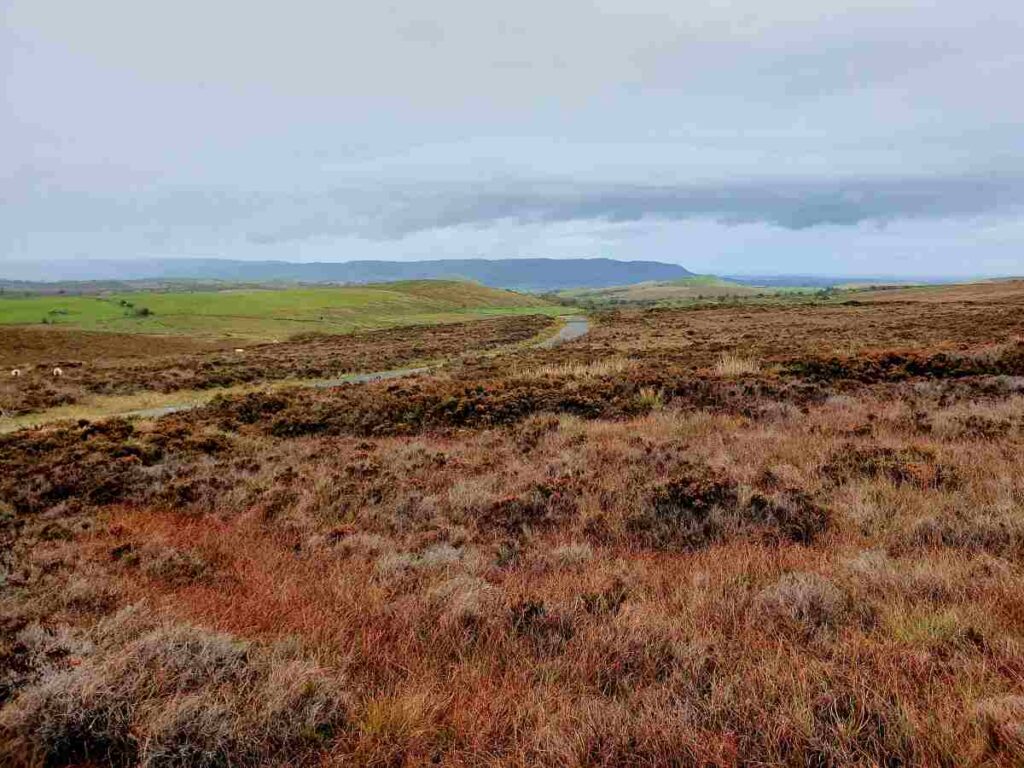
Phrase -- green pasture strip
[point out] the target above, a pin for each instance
(269, 313)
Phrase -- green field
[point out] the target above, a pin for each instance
(270, 313)
(689, 289)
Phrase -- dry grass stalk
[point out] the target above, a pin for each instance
(729, 365)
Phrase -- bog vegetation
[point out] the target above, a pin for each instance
(761, 535)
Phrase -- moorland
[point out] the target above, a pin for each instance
(123, 352)
(746, 533)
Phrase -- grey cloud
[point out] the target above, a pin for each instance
(784, 204)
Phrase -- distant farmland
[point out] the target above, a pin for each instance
(266, 313)
(687, 290)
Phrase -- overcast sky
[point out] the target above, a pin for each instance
(881, 137)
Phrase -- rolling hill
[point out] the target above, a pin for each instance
(685, 289)
(539, 275)
(267, 313)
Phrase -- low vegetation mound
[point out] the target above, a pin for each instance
(174, 696)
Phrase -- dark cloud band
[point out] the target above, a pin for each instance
(792, 205)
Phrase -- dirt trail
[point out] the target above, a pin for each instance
(574, 327)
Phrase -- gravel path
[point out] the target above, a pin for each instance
(575, 327)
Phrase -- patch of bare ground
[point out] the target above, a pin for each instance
(532, 560)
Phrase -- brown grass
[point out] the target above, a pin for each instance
(173, 695)
(481, 568)
(30, 347)
(732, 365)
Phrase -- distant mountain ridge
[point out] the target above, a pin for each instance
(516, 274)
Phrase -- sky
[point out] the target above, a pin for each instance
(738, 137)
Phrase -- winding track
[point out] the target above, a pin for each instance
(574, 327)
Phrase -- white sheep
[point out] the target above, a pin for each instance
(15, 372)
(239, 350)
(57, 372)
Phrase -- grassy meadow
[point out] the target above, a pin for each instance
(687, 291)
(270, 313)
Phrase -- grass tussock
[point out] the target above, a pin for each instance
(806, 602)
(174, 696)
(729, 365)
(598, 369)
(1002, 719)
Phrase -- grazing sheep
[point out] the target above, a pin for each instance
(15, 372)
(57, 372)
(239, 350)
